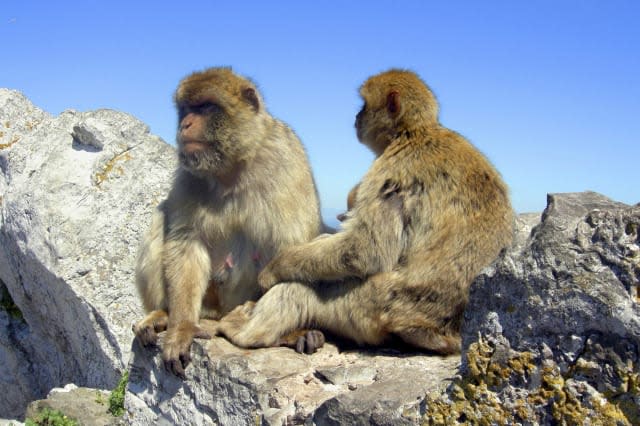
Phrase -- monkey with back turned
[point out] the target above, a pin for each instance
(429, 214)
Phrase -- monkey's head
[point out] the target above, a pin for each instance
(395, 101)
(218, 113)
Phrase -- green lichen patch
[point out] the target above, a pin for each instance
(48, 417)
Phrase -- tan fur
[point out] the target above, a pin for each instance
(429, 214)
(243, 191)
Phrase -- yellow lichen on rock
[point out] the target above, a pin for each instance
(111, 167)
(477, 397)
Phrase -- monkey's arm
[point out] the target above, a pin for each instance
(187, 269)
(371, 242)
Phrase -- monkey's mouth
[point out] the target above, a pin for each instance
(190, 146)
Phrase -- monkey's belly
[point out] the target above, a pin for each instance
(233, 281)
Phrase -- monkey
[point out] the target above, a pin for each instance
(351, 201)
(243, 191)
(427, 216)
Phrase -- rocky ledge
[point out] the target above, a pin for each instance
(551, 333)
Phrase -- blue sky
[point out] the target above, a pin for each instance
(548, 90)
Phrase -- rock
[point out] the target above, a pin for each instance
(76, 191)
(552, 330)
(228, 385)
(86, 406)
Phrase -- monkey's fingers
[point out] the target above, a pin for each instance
(176, 367)
(147, 336)
(310, 342)
(303, 341)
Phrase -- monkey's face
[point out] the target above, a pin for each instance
(202, 147)
(372, 127)
(215, 125)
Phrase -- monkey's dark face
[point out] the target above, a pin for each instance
(201, 148)
(210, 139)
(372, 127)
(218, 115)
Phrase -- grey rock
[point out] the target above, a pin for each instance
(576, 274)
(84, 405)
(228, 385)
(551, 332)
(552, 329)
(76, 191)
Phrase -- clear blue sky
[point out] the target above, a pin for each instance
(548, 90)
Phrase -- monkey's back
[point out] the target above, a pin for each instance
(455, 206)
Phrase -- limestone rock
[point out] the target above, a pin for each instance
(76, 191)
(552, 331)
(228, 385)
(84, 405)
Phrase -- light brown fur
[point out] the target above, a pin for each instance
(429, 214)
(243, 192)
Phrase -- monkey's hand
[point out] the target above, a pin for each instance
(147, 330)
(176, 346)
(267, 278)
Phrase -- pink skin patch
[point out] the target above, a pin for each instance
(228, 261)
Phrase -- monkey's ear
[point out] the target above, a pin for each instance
(393, 103)
(249, 95)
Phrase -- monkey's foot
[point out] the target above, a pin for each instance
(432, 340)
(234, 322)
(303, 341)
(176, 346)
(146, 331)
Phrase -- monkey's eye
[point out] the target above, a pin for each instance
(205, 108)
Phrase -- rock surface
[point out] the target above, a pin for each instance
(227, 385)
(76, 191)
(84, 405)
(551, 333)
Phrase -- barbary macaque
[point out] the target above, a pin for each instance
(429, 214)
(243, 192)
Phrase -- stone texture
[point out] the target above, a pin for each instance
(552, 331)
(228, 385)
(76, 191)
(84, 405)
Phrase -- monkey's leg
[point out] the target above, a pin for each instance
(338, 307)
(302, 340)
(147, 330)
(431, 339)
(187, 268)
(426, 316)
(150, 282)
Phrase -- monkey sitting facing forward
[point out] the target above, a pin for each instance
(429, 214)
(243, 191)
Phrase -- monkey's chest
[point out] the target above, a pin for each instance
(235, 264)
(234, 259)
